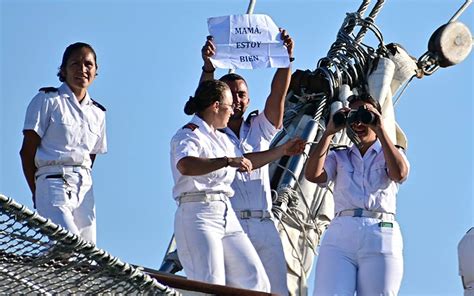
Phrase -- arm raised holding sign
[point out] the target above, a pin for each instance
(207, 51)
(275, 105)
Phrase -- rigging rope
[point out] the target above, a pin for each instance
(38, 256)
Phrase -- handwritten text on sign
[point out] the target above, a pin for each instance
(247, 41)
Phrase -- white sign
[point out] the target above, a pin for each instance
(247, 41)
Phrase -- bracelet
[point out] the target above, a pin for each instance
(207, 71)
(226, 161)
(292, 59)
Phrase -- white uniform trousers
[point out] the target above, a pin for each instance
(265, 238)
(213, 248)
(358, 255)
(65, 196)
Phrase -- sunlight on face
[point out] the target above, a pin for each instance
(365, 134)
(240, 97)
(225, 109)
(80, 70)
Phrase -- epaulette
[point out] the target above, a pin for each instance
(338, 147)
(191, 126)
(398, 147)
(251, 115)
(48, 89)
(98, 105)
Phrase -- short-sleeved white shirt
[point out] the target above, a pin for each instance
(466, 259)
(69, 130)
(202, 141)
(252, 190)
(361, 182)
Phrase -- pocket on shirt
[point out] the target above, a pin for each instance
(345, 172)
(378, 177)
(63, 130)
(92, 134)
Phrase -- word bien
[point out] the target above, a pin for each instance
(249, 44)
(252, 58)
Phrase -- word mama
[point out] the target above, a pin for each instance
(247, 30)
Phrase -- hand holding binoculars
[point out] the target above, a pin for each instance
(363, 115)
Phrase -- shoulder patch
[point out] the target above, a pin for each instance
(338, 147)
(48, 89)
(191, 126)
(98, 105)
(251, 115)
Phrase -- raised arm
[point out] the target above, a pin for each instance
(275, 105)
(314, 171)
(207, 51)
(396, 165)
(292, 147)
(31, 141)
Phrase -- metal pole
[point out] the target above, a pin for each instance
(460, 11)
(251, 6)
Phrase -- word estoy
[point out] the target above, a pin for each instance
(248, 44)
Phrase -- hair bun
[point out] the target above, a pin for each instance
(191, 107)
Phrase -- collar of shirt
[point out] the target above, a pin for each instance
(217, 136)
(243, 133)
(376, 147)
(203, 126)
(65, 91)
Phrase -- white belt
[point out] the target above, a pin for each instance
(247, 214)
(60, 169)
(367, 214)
(201, 197)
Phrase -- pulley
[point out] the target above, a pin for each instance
(451, 43)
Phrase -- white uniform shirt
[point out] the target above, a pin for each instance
(466, 259)
(252, 190)
(205, 142)
(361, 182)
(70, 131)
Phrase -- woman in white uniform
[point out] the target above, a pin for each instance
(211, 244)
(362, 249)
(63, 132)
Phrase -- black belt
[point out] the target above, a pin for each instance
(57, 176)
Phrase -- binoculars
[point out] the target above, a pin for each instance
(360, 115)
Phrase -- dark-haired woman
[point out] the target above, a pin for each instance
(64, 130)
(211, 244)
(361, 251)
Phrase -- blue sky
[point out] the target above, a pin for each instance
(149, 64)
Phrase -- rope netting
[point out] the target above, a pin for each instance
(38, 256)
